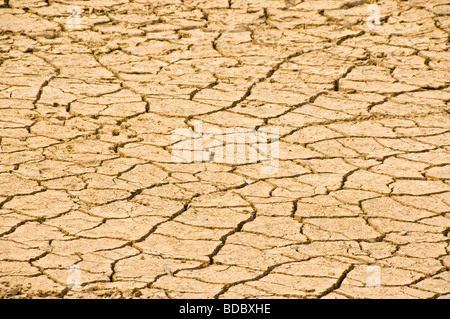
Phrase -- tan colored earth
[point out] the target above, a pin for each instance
(92, 91)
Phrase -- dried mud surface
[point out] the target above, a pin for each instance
(86, 122)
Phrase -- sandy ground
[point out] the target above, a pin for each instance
(93, 204)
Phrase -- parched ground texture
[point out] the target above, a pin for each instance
(86, 175)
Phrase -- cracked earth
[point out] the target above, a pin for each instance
(86, 175)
